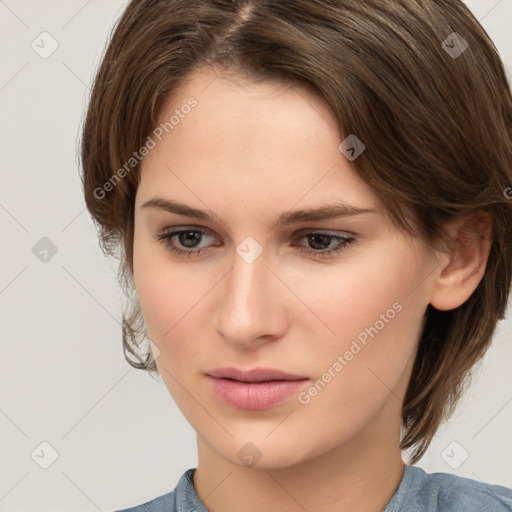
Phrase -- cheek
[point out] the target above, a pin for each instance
(376, 315)
(159, 290)
(171, 301)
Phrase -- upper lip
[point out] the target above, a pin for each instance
(254, 375)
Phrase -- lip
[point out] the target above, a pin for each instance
(254, 375)
(257, 389)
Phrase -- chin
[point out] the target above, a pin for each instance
(261, 453)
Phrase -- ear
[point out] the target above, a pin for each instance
(463, 266)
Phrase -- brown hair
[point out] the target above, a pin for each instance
(435, 116)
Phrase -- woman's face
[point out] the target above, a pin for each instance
(256, 286)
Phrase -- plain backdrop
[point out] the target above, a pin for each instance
(80, 429)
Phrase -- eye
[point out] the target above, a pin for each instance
(186, 242)
(187, 237)
(322, 244)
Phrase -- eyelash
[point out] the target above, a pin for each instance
(166, 239)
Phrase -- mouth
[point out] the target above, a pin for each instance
(254, 375)
(257, 389)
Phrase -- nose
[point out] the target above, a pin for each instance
(251, 311)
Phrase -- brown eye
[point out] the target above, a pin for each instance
(179, 240)
(319, 244)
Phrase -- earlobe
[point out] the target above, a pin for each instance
(463, 267)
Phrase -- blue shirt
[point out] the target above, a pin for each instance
(418, 492)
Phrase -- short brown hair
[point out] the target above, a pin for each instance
(418, 81)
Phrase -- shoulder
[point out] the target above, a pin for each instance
(469, 494)
(182, 493)
(443, 492)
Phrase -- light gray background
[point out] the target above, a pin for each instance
(120, 439)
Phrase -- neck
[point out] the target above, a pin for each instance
(361, 475)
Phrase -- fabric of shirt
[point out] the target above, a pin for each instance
(418, 492)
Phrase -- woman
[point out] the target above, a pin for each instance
(310, 204)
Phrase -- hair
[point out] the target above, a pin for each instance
(437, 127)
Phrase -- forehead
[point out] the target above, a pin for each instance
(235, 106)
(248, 140)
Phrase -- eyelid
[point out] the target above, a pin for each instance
(185, 227)
(325, 231)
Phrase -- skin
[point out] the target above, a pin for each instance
(248, 153)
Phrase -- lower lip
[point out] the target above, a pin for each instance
(255, 396)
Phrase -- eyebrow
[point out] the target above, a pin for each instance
(333, 211)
